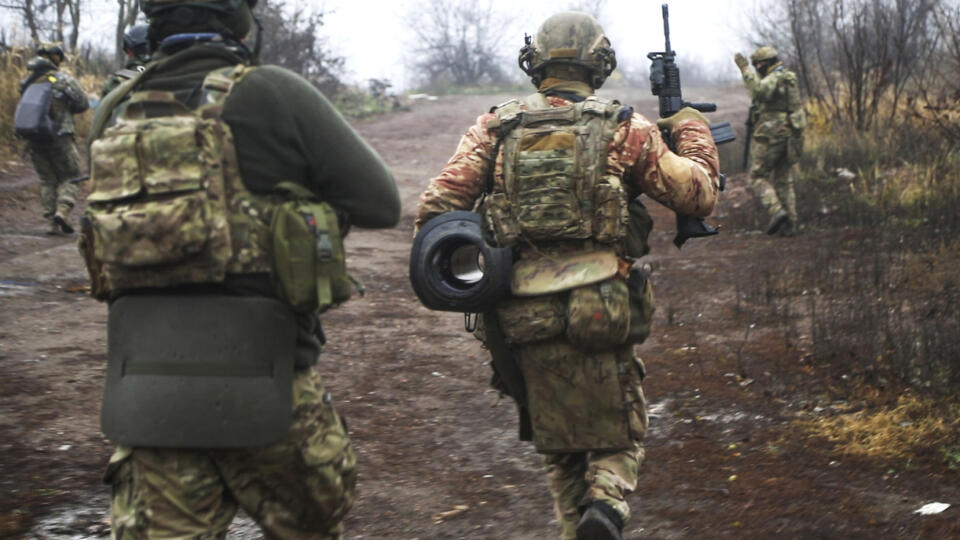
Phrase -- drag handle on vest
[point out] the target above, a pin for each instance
(665, 84)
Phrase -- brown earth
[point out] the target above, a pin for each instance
(724, 456)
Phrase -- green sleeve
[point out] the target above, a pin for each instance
(76, 97)
(760, 89)
(285, 129)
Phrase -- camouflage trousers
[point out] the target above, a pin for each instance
(300, 487)
(577, 478)
(56, 163)
(771, 176)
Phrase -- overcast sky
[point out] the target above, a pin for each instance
(375, 39)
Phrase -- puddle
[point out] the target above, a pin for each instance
(92, 522)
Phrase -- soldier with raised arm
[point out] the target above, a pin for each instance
(558, 173)
(778, 121)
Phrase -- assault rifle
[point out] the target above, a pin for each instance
(665, 84)
(79, 179)
(749, 124)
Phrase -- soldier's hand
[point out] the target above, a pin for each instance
(741, 61)
(686, 113)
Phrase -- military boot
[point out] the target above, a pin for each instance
(54, 229)
(777, 221)
(600, 522)
(61, 222)
(788, 230)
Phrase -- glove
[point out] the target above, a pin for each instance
(741, 61)
(686, 113)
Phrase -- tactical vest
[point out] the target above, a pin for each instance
(555, 186)
(167, 205)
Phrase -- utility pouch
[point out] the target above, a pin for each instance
(499, 220)
(598, 315)
(610, 211)
(98, 282)
(198, 371)
(531, 319)
(641, 306)
(639, 226)
(576, 398)
(309, 263)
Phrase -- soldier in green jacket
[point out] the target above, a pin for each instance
(778, 122)
(56, 161)
(219, 193)
(137, 49)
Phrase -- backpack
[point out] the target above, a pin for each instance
(32, 119)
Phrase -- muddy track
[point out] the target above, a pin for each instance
(723, 457)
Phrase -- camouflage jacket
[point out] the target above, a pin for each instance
(777, 100)
(68, 97)
(686, 181)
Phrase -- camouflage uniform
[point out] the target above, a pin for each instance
(303, 485)
(58, 161)
(558, 371)
(300, 487)
(777, 144)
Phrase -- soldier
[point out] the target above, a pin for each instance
(559, 173)
(137, 49)
(220, 190)
(778, 121)
(56, 158)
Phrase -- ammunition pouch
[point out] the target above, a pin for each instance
(598, 315)
(198, 371)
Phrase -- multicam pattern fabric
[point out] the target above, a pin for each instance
(586, 406)
(168, 206)
(56, 163)
(577, 478)
(777, 138)
(300, 487)
(685, 182)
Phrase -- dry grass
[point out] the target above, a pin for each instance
(913, 427)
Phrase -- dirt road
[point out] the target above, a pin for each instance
(724, 458)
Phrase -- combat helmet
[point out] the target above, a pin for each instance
(135, 41)
(570, 39)
(51, 49)
(230, 18)
(763, 54)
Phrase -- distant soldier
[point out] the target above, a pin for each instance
(778, 122)
(559, 173)
(221, 190)
(44, 118)
(137, 48)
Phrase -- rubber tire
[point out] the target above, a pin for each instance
(441, 292)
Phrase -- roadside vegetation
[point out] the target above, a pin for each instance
(874, 314)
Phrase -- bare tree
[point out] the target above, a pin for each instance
(291, 38)
(594, 8)
(458, 42)
(28, 13)
(126, 16)
(872, 48)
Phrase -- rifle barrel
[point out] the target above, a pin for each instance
(666, 27)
